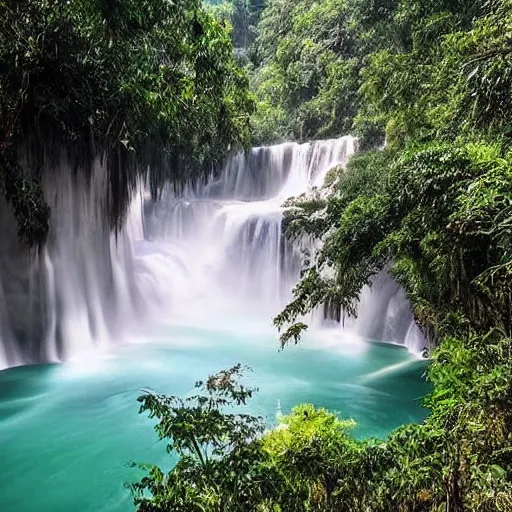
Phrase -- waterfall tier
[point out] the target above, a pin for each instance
(214, 251)
(79, 291)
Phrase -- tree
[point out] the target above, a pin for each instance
(218, 467)
(135, 83)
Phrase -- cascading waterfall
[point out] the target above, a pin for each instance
(226, 242)
(384, 314)
(213, 251)
(229, 230)
(77, 293)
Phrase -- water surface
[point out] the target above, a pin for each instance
(67, 431)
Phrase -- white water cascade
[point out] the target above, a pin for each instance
(225, 237)
(212, 254)
(217, 252)
(79, 292)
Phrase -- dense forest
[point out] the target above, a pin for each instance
(135, 83)
(427, 88)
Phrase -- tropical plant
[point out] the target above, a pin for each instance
(217, 450)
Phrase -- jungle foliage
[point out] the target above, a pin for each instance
(342, 66)
(433, 208)
(459, 459)
(135, 83)
(243, 16)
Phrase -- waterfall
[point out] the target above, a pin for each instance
(225, 240)
(384, 314)
(65, 301)
(212, 252)
(226, 235)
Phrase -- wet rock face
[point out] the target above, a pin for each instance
(20, 312)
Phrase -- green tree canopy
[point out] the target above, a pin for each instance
(134, 82)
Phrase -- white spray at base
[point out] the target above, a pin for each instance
(227, 257)
(214, 255)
